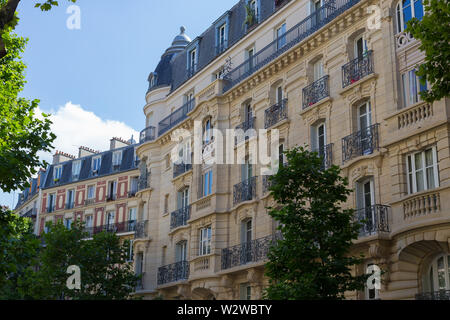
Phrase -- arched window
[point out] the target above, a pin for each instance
(406, 10)
(438, 276)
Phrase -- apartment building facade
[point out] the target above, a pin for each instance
(98, 188)
(338, 76)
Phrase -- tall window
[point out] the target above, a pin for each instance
(193, 61)
(254, 8)
(166, 203)
(117, 158)
(246, 231)
(319, 138)
(76, 167)
(207, 181)
(246, 169)
(91, 192)
(364, 124)
(439, 274)
(207, 131)
(57, 173)
(423, 172)
(281, 36)
(245, 291)
(318, 70)
(51, 202)
(70, 199)
(249, 53)
(411, 87)
(222, 38)
(406, 10)
(181, 251)
(96, 164)
(110, 216)
(112, 189)
(68, 223)
(183, 198)
(279, 94)
(88, 221)
(360, 47)
(205, 241)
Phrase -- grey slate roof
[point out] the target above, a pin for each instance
(128, 163)
(172, 72)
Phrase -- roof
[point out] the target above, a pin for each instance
(106, 167)
(172, 70)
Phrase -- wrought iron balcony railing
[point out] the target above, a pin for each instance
(111, 197)
(70, 205)
(173, 272)
(148, 134)
(50, 209)
(144, 182)
(436, 295)
(180, 217)
(252, 251)
(357, 69)
(374, 219)
(115, 167)
(315, 21)
(360, 143)
(266, 183)
(247, 124)
(120, 227)
(276, 113)
(176, 117)
(315, 92)
(30, 213)
(141, 230)
(245, 190)
(179, 169)
(326, 153)
(132, 193)
(88, 202)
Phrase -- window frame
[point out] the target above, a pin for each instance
(399, 14)
(205, 242)
(411, 172)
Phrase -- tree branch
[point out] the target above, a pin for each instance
(6, 16)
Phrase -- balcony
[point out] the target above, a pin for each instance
(357, 69)
(176, 117)
(115, 167)
(244, 191)
(179, 169)
(266, 183)
(141, 230)
(252, 251)
(88, 202)
(120, 227)
(293, 36)
(50, 209)
(148, 134)
(276, 113)
(180, 217)
(326, 153)
(32, 213)
(374, 219)
(363, 142)
(144, 182)
(435, 295)
(173, 272)
(315, 92)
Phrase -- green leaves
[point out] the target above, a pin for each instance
(434, 33)
(46, 6)
(313, 259)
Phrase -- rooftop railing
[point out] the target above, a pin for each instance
(330, 10)
(148, 134)
(176, 117)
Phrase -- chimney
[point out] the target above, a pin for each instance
(116, 143)
(59, 157)
(85, 151)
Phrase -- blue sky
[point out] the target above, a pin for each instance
(94, 79)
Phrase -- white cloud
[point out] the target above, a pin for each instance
(75, 126)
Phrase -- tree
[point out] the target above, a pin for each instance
(434, 33)
(312, 260)
(105, 272)
(18, 252)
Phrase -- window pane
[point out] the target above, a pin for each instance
(407, 15)
(419, 171)
(418, 9)
(413, 97)
(441, 273)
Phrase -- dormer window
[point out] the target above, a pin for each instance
(117, 160)
(153, 79)
(76, 167)
(192, 68)
(96, 162)
(57, 173)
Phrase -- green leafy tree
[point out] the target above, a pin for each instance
(434, 33)
(18, 252)
(312, 260)
(106, 273)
